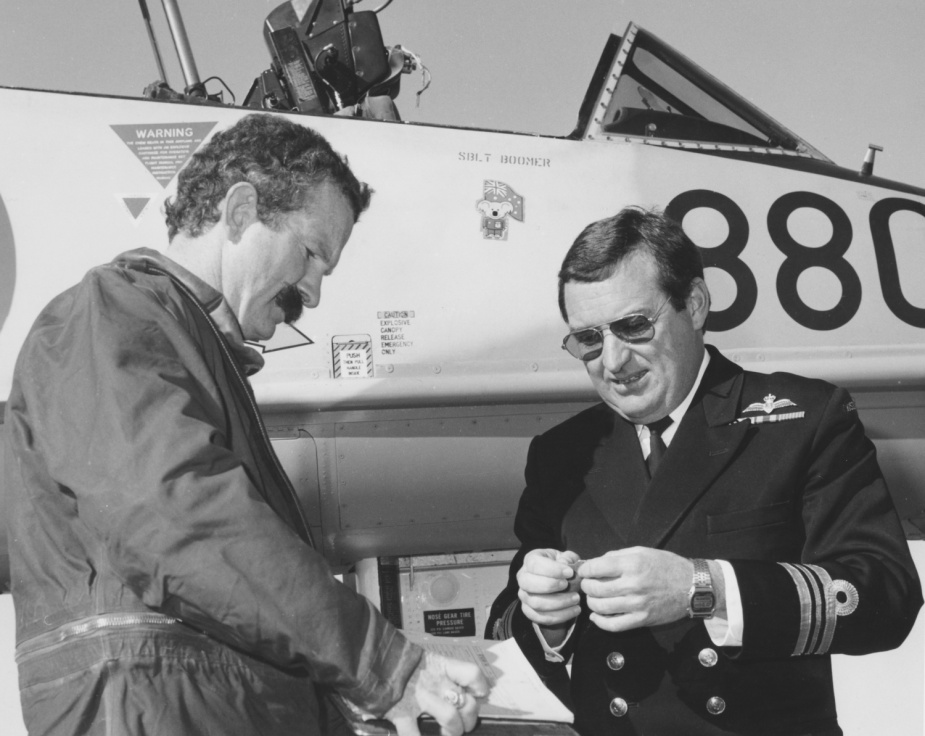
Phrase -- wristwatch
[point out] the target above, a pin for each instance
(701, 601)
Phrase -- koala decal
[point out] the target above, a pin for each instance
(494, 218)
(498, 203)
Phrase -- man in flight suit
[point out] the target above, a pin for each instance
(163, 573)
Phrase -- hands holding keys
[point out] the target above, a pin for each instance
(624, 589)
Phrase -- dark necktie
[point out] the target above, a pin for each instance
(657, 446)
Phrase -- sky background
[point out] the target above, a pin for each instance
(839, 73)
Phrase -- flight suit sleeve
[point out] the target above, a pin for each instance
(132, 424)
(855, 589)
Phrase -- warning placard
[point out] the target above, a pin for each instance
(163, 147)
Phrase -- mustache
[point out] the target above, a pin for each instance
(290, 301)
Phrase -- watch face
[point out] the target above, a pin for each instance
(702, 602)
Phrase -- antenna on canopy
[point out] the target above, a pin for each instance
(194, 87)
(157, 52)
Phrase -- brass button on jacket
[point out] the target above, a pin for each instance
(615, 661)
(716, 705)
(708, 657)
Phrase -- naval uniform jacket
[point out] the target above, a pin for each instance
(774, 474)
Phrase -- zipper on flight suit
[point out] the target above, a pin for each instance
(304, 532)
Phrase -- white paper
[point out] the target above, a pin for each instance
(517, 692)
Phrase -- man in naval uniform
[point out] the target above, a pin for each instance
(701, 542)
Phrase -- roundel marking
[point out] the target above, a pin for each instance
(7, 263)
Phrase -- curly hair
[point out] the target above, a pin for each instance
(603, 245)
(283, 160)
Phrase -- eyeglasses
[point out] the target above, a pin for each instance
(588, 343)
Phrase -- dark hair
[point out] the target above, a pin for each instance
(283, 160)
(603, 245)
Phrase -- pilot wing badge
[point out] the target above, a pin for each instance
(769, 411)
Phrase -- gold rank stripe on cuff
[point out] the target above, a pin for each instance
(765, 418)
(818, 608)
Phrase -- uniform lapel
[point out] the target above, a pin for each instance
(618, 478)
(706, 441)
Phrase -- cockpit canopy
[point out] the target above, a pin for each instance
(645, 89)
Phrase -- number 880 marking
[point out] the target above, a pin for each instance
(799, 258)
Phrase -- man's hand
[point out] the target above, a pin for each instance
(548, 587)
(435, 683)
(639, 586)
